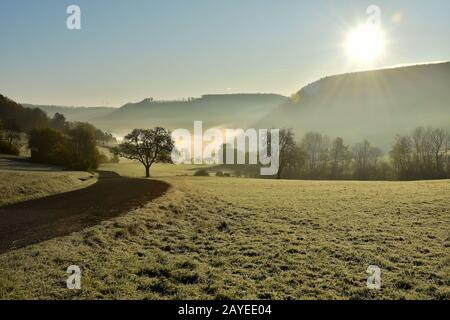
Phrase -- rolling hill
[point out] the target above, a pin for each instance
(232, 110)
(375, 104)
(81, 114)
(215, 110)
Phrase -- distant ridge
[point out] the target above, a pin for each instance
(239, 110)
(371, 104)
(374, 104)
(73, 113)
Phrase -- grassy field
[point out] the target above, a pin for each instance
(222, 238)
(19, 186)
(130, 168)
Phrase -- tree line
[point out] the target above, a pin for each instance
(16, 118)
(425, 154)
(51, 140)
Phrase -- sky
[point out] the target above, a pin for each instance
(170, 49)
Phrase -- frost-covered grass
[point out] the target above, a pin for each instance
(219, 238)
(16, 186)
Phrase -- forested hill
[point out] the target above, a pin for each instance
(16, 117)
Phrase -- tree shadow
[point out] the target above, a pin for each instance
(33, 221)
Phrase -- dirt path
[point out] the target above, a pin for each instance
(37, 220)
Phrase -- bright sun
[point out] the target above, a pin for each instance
(365, 44)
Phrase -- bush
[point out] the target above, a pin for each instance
(219, 174)
(201, 173)
(114, 159)
(78, 151)
(226, 174)
(83, 148)
(9, 148)
(80, 165)
(102, 158)
(49, 146)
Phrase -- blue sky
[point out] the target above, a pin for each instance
(130, 50)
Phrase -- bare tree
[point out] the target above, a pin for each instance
(338, 155)
(423, 152)
(312, 145)
(361, 153)
(375, 155)
(438, 140)
(401, 156)
(423, 155)
(287, 150)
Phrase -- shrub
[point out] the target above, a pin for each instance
(114, 159)
(226, 174)
(201, 173)
(219, 174)
(9, 148)
(48, 146)
(80, 165)
(102, 158)
(83, 149)
(78, 151)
